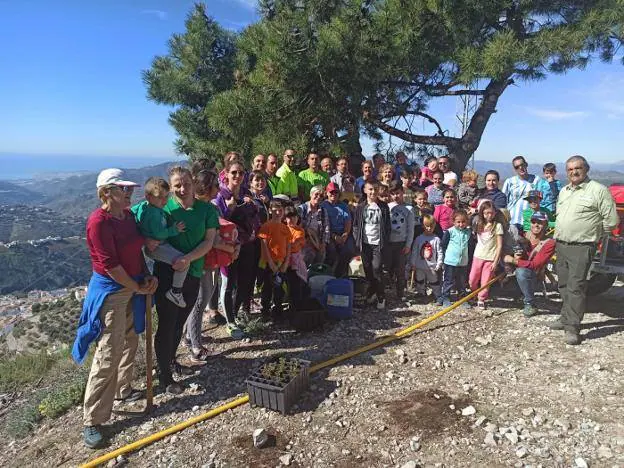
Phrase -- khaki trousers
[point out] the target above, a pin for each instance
(113, 364)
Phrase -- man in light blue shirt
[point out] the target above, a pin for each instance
(516, 188)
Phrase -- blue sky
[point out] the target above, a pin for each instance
(71, 84)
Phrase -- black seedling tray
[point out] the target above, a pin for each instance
(277, 396)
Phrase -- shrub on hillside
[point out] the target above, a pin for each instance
(60, 400)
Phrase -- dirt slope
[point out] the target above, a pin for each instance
(538, 402)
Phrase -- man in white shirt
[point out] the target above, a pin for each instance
(516, 189)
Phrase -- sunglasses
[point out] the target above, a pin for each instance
(240, 173)
(519, 166)
(125, 189)
(534, 221)
(334, 192)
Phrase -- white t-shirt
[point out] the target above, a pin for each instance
(448, 176)
(486, 243)
(372, 224)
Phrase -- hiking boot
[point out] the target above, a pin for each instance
(93, 437)
(572, 338)
(481, 305)
(439, 301)
(555, 325)
(529, 310)
(381, 304)
(134, 395)
(199, 357)
(235, 332)
(176, 298)
(446, 303)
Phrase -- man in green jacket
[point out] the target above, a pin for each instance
(287, 184)
(311, 177)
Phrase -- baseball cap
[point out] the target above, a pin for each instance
(533, 194)
(332, 187)
(113, 177)
(281, 196)
(539, 216)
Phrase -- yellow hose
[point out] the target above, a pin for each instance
(240, 401)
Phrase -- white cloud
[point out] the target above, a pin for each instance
(249, 4)
(555, 114)
(160, 14)
(608, 95)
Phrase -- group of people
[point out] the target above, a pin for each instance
(215, 238)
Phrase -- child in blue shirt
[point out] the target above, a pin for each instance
(455, 245)
(153, 223)
(550, 187)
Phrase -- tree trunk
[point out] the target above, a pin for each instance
(469, 142)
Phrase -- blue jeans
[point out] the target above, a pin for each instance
(527, 280)
(453, 276)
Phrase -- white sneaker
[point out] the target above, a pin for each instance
(372, 299)
(381, 305)
(176, 298)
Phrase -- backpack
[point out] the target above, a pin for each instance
(215, 258)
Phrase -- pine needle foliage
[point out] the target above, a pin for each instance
(319, 74)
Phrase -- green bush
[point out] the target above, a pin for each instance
(59, 401)
(21, 370)
(36, 308)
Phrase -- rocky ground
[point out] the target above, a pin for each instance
(473, 388)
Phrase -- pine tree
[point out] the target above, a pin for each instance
(318, 74)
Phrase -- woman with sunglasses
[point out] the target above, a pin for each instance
(114, 309)
(235, 203)
(201, 221)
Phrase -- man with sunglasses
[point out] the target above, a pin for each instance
(517, 188)
(287, 184)
(530, 260)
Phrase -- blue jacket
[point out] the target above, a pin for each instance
(90, 325)
(550, 193)
(455, 246)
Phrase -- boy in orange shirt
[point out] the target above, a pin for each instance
(297, 273)
(275, 237)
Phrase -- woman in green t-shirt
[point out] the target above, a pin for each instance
(201, 222)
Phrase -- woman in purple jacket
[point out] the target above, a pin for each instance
(235, 203)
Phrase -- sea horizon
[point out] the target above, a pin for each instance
(29, 166)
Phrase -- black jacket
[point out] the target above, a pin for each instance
(358, 224)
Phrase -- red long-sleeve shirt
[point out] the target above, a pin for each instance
(541, 258)
(113, 242)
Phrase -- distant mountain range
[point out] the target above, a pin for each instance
(605, 173)
(69, 194)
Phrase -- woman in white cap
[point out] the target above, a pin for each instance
(114, 309)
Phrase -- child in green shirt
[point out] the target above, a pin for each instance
(534, 198)
(152, 222)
